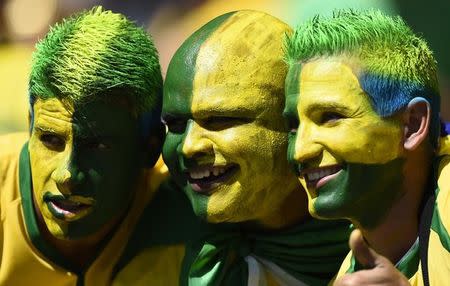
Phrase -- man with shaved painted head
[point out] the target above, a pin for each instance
(226, 147)
(73, 189)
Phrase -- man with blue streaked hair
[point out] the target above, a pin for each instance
(363, 105)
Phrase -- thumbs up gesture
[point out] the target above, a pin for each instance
(378, 269)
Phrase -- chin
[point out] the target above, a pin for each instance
(325, 210)
(219, 216)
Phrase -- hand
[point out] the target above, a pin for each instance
(379, 270)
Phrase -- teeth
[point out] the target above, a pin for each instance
(205, 173)
(313, 176)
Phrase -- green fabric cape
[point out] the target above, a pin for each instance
(311, 251)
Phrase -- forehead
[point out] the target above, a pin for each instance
(96, 117)
(227, 72)
(52, 112)
(331, 81)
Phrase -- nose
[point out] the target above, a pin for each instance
(68, 174)
(306, 148)
(196, 142)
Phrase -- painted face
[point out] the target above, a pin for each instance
(227, 140)
(83, 164)
(349, 158)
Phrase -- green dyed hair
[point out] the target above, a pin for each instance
(397, 65)
(94, 55)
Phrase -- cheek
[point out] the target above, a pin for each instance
(172, 143)
(42, 164)
(370, 143)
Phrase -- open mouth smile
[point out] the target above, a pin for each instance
(68, 208)
(205, 178)
(317, 177)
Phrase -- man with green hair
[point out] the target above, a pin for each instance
(72, 192)
(226, 146)
(362, 103)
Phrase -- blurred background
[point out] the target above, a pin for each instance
(170, 22)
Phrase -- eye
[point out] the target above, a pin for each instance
(223, 122)
(52, 141)
(292, 125)
(176, 125)
(97, 145)
(330, 117)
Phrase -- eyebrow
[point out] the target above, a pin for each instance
(165, 117)
(45, 129)
(229, 111)
(289, 112)
(332, 106)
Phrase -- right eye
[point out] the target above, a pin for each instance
(52, 141)
(176, 125)
(292, 125)
(331, 117)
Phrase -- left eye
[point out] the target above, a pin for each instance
(97, 145)
(222, 122)
(52, 141)
(330, 117)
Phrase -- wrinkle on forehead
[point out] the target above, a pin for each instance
(52, 113)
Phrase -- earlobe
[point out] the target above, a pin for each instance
(416, 123)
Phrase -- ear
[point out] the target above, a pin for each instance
(152, 146)
(416, 123)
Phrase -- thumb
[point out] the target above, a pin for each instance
(363, 253)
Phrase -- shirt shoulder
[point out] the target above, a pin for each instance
(345, 266)
(10, 147)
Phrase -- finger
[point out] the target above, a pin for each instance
(366, 256)
(377, 276)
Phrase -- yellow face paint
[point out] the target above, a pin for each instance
(50, 117)
(83, 167)
(237, 100)
(333, 109)
(341, 143)
(235, 141)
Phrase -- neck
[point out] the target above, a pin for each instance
(80, 252)
(394, 236)
(291, 211)
(396, 233)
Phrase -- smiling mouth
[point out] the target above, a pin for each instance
(317, 177)
(68, 208)
(204, 179)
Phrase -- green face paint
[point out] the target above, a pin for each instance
(84, 164)
(344, 168)
(290, 110)
(361, 193)
(176, 111)
(227, 141)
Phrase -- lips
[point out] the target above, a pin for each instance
(317, 177)
(204, 179)
(68, 208)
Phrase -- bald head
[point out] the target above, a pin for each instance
(223, 99)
